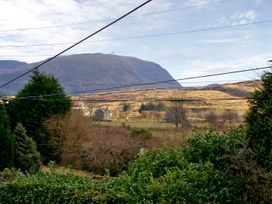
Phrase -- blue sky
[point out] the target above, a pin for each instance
(175, 40)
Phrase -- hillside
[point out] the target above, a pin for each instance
(88, 72)
(200, 101)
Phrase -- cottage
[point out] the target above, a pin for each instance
(102, 114)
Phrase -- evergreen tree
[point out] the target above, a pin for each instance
(259, 122)
(7, 141)
(41, 98)
(26, 155)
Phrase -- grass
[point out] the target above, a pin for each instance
(207, 101)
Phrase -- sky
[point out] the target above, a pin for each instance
(186, 37)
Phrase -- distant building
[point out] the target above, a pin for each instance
(102, 114)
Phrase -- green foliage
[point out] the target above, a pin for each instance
(141, 133)
(210, 168)
(31, 112)
(9, 175)
(26, 154)
(247, 182)
(215, 147)
(53, 188)
(259, 122)
(152, 107)
(7, 141)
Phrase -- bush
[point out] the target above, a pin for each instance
(246, 180)
(9, 175)
(110, 148)
(152, 107)
(259, 122)
(141, 133)
(210, 168)
(68, 135)
(53, 188)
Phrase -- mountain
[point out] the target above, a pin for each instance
(8, 66)
(89, 72)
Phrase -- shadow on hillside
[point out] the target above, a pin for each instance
(234, 92)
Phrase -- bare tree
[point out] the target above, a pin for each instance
(177, 113)
(211, 118)
(231, 117)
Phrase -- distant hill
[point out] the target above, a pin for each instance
(88, 72)
(8, 66)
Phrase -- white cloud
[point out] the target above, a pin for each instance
(197, 2)
(240, 17)
(243, 17)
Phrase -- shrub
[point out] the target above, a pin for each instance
(259, 122)
(53, 188)
(152, 107)
(110, 148)
(165, 176)
(9, 175)
(246, 180)
(210, 168)
(68, 135)
(141, 133)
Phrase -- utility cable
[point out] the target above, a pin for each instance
(95, 21)
(153, 83)
(147, 36)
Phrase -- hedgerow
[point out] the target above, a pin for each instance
(53, 188)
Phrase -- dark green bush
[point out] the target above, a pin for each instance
(53, 188)
(152, 107)
(141, 133)
(9, 175)
(165, 176)
(259, 122)
(214, 147)
(228, 152)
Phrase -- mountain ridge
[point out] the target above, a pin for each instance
(95, 71)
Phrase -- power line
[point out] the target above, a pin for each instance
(110, 19)
(156, 82)
(147, 36)
(47, 55)
(148, 99)
(77, 43)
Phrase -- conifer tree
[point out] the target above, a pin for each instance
(41, 98)
(7, 141)
(26, 155)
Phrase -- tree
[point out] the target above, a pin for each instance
(7, 141)
(26, 155)
(177, 113)
(41, 98)
(259, 122)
